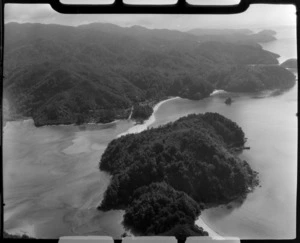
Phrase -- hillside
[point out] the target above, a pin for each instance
(163, 177)
(97, 72)
(251, 78)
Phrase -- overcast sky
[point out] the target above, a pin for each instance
(226, 2)
(257, 16)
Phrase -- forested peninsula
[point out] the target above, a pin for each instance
(163, 177)
(98, 72)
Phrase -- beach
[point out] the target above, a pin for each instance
(200, 223)
(142, 127)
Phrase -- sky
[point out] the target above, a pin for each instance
(257, 16)
(224, 2)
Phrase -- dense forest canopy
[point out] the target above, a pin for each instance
(158, 208)
(97, 72)
(179, 167)
(141, 112)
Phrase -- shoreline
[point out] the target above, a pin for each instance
(142, 127)
(213, 234)
(217, 91)
(57, 125)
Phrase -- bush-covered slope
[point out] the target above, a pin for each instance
(97, 72)
(251, 78)
(190, 159)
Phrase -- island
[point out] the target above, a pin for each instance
(125, 67)
(163, 177)
(228, 101)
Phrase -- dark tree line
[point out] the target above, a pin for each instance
(141, 112)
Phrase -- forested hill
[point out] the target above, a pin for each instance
(98, 72)
(163, 176)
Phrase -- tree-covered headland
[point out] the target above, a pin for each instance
(163, 177)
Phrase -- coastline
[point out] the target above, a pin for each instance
(142, 127)
(138, 127)
(200, 223)
(56, 125)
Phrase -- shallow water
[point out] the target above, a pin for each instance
(52, 184)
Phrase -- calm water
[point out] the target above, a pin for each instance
(52, 184)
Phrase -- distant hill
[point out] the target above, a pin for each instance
(264, 36)
(95, 73)
(290, 63)
(220, 32)
(240, 36)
